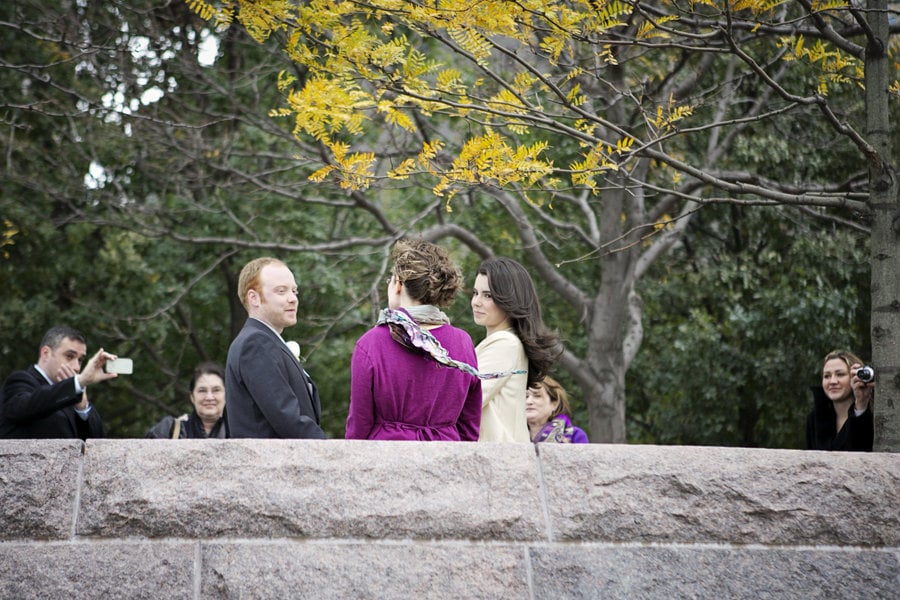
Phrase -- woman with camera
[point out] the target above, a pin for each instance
(842, 407)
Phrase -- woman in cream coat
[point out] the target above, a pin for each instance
(505, 303)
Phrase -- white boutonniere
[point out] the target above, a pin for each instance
(294, 347)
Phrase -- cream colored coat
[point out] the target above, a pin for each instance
(503, 399)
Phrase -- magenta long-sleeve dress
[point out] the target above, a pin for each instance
(396, 394)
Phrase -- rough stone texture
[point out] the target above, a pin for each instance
(37, 488)
(382, 571)
(649, 572)
(311, 488)
(88, 570)
(622, 493)
(342, 519)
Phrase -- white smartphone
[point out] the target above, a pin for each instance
(122, 366)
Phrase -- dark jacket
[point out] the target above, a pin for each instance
(30, 407)
(269, 394)
(857, 434)
(190, 427)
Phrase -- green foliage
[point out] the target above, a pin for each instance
(164, 303)
(737, 325)
(385, 102)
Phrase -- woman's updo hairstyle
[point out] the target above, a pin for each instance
(427, 272)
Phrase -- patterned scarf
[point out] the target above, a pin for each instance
(407, 332)
(427, 314)
(558, 430)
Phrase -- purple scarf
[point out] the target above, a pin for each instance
(559, 430)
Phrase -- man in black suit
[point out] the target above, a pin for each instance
(269, 393)
(49, 400)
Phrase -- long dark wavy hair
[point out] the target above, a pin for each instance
(512, 289)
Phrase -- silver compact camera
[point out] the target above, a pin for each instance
(866, 374)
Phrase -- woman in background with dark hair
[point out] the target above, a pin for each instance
(841, 418)
(205, 421)
(505, 303)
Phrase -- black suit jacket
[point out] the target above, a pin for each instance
(268, 394)
(32, 408)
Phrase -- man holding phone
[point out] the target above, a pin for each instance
(49, 400)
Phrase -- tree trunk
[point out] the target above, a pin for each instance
(610, 314)
(885, 203)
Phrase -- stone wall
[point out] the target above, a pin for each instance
(351, 519)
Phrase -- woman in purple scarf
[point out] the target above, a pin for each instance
(413, 376)
(546, 406)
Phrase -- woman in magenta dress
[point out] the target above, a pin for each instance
(413, 376)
